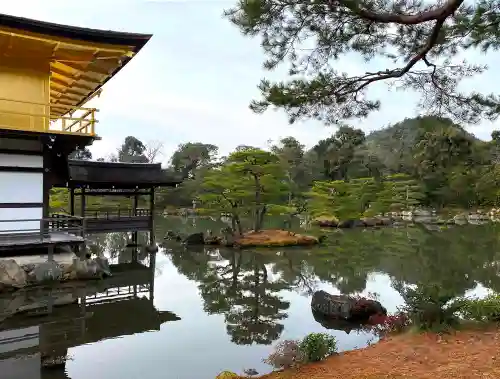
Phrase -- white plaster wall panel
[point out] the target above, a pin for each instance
(19, 160)
(21, 187)
(20, 214)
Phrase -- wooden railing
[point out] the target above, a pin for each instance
(39, 117)
(116, 213)
(43, 228)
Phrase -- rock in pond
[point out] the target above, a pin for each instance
(350, 223)
(326, 221)
(345, 307)
(336, 323)
(194, 239)
(172, 236)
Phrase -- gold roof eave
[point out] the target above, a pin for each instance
(81, 60)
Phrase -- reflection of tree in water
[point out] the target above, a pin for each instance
(239, 288)
(454, 260)
(257, 308)
(115, 246)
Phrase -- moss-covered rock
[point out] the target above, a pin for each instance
(326, 221)
(274, 238)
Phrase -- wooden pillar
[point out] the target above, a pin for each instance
(72, 201)
(135, 253)
(152, 209)
(82, 202)
(135, 204)
(152, 267)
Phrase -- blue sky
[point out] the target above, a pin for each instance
(194, 80)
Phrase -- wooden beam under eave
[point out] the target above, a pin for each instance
(84, 70)
(71, 77)
(69, 90)
(77, 86)
(67, 103)
(66, 96)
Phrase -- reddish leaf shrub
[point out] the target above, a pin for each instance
(286, 354)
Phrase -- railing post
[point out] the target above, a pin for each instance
(92, 121)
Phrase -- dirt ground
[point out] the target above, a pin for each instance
(464, 354)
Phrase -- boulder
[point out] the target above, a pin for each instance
(336, 323)
(326, 221)
(89, 269)
(369, 221)
(460, 219)
(172, 236)
(194, 239)
(12, 275)
(103, 265)
(46, 272)
(384, 221)
(331, 305)
(345, 307)
(350, 223)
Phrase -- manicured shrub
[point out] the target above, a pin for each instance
(429, 308)
(317, 346)
(227, 375)
(482, 310)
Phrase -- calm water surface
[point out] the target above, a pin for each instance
(218, 310)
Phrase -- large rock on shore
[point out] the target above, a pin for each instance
(345, 307)
(12, 275)
(88, 269)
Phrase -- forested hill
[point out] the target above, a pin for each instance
(449, 165)
(394, 145)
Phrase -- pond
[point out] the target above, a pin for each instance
(218, 310)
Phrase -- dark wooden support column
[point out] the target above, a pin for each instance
(152, 267)
(152, 209)
(72, 201)
(135, 252)
(83, 201)
(135, 204)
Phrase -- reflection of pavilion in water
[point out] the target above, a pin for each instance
(49, 323)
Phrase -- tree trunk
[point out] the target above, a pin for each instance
(236, 220)
(259, 218)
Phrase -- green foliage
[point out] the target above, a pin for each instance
(318, 346)
(482, 310)
(364, 197)
(245, 184)
(431, 307)
(313, 37)
(191, 157)
(132, 150)
(227, 375)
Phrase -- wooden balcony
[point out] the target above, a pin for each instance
(29, 234)
(42, 118)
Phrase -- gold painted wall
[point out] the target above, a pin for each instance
(25, 84)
